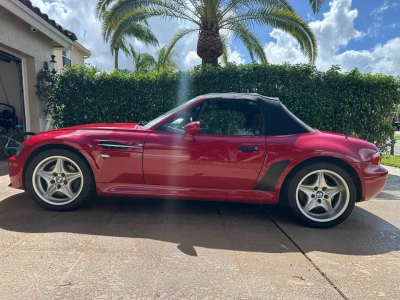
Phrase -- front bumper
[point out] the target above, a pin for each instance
(16, 167)
(373, 179)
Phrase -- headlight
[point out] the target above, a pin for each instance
(19, 150)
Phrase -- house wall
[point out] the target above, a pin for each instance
(9, 77)
(35, 48)
(77, 58)
(59, 65)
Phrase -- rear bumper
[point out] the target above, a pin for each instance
(373, 179)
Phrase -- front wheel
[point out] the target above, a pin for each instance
(59, 179)
(321, 195)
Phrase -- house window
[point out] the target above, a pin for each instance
(66, 58)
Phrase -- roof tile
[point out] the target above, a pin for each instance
(66, 32)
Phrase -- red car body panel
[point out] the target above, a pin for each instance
(188, 193)
(206, 161)
(204, 167)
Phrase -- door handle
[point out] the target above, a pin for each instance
(248, 148)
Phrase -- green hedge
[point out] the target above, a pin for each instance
(333, 101)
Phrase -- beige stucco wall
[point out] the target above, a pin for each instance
(36, 48)
(11, 94)
(77, 58)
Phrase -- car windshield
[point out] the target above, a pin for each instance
(169, 113)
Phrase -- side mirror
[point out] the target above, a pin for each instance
(191, 130)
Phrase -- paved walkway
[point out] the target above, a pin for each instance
(156, 249)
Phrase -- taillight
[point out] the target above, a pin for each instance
(375, 158)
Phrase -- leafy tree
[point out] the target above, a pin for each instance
(117, 38)
(215, 21)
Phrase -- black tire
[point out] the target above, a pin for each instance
(88, 182)
(291, 188)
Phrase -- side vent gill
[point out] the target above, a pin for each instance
(110, 145)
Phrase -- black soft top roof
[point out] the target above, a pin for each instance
(240, 96)
(278, 119)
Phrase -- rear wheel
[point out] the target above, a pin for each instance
(321, 195)
(59, 179)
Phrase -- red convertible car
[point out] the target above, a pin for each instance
(225, 147)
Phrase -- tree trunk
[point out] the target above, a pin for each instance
(116, 50)
(209, 46)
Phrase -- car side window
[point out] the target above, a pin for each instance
(177, 123)
(231, 117)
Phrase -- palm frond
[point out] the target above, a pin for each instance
(166, 62)
(225, 49)
(124, 47)
(285, 20)
(136, 30)
(180, 34)
(171, 9)
(250, 41)
(316, 5)
(238, 7)
(101, 8)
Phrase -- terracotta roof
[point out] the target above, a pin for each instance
(66, 32)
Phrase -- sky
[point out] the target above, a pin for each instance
(350, 33)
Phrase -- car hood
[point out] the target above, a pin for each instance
(83, 134)
(108, 126)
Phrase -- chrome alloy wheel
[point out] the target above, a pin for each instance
(322, 195)
(57, 180)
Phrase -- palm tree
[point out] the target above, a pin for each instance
(117, 39)
(165, 62)
(215, 21)
(142, 62)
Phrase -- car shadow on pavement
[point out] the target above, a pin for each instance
(363, 233)
(190, 224)
(3, 167)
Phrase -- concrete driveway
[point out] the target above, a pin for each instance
(156, 249)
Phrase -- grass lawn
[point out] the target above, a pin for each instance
(390, 160)
(397, 137)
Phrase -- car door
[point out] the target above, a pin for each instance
(231, 144)
(228, 152)
(168, 159)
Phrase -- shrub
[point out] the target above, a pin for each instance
(352, 102)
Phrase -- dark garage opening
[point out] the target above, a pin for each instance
(12, 110)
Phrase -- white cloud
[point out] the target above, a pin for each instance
(381, 59)
(335, 31)
(78, 16)
(192, 59)
(236, 56)
(284, 49)
(377, 13)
